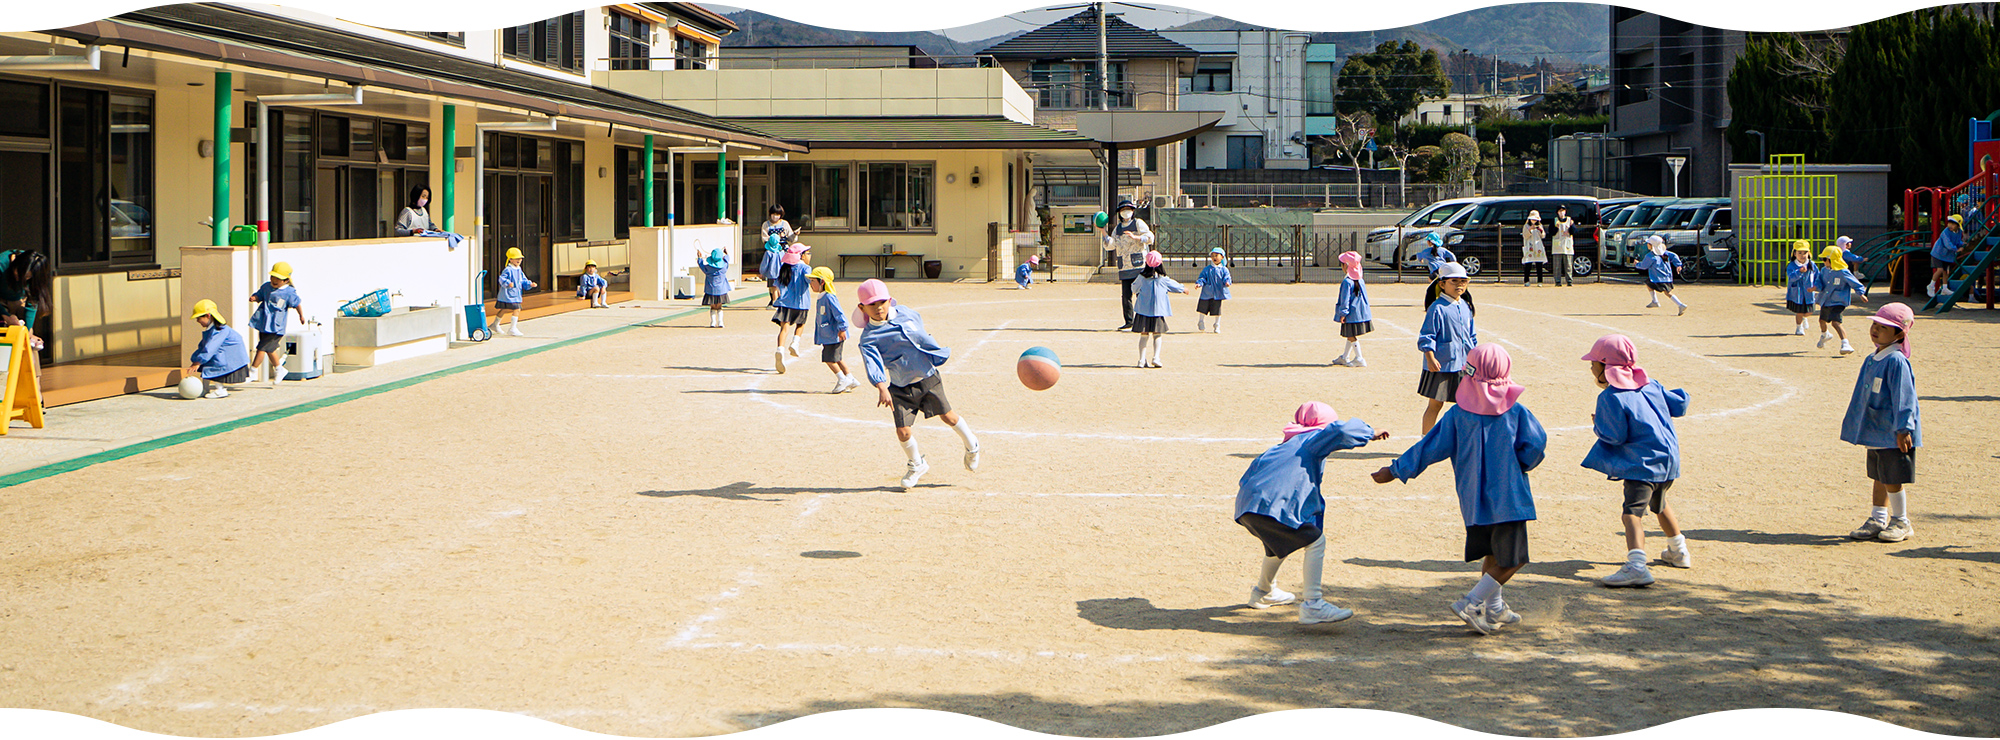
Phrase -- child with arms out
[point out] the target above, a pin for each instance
(902, 361)
(1636, 443)
(1278, 500)
(1214, 283)
(830, 330)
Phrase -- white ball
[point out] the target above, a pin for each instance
(190, 388)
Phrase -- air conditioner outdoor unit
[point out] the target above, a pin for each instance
(1161, 201)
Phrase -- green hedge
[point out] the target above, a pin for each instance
(1534, 135)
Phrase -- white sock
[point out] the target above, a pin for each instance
(1315, 565)
(1357, 350)
(1485, 590)
(1495, 606)
(1156, 346)
(910, 449)
(1880, 514)
(1217, 323)
(1145, 343)
(1899, 505)
(1200, 322)
(1636, 557)
(1268, 572)
(1678, 543)
(1677, 300)
(964, 429)
(514, 322)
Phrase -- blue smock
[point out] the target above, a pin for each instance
(1214, 282)
(1884, 403)
(1801, 281)
(832, 320)
(220, 352)
(1635, 433)
(1283, 483)
(793, 294)
(1447, 333)
(774, 256)
(587, 281)
(1353, 306)
(1848, 256)
(1435, 256)
(1491, 457)
(899, 351)
(269, 318)
(1838, 286)
(1023, 275)
(1660, 268)
(1149, 295)
(717, 278)
(512, 280)
(1945, 249)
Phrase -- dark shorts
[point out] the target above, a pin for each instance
(789, 316)
(1149, 324)
(1945, 265)
(831, 352)
(1892, 466)
(925, 396)
(1353, 329)
(1440, 385)
(268, 342)
(1279, 540)
(1798, 308)
(1661, 287)
(1831, 314)
(1209, 306)
(1507, 542)
(232, 377)
(714, 300)
(1641, 495)
(506, 306)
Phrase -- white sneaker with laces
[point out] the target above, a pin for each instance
(279, 376)
(1677, 558)
(1357, 362)
(972, 459)
(846, 384)
(793, 348)
(1474, 615)
(838, 384)
(1899, 529)
(1931, 289)
(1629, 576)
(781, 361)
(914, 472)
(1799, 330)
(1869, 528)
(516, 332)
(1845, 348)
(1508, 617)
(1260, 599)
(1318, 611)
(1824, 337)
(1683, 311)
(217, 392)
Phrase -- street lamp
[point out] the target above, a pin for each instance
(1761, 159)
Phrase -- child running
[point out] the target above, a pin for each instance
(902, 361)
(1024, 273)
(830, 330)
(790, 315)
(1214, 283)
(1882, 416)
(715, 288)
(1492, 442)
(1150, 308)
(507, 304)
(220, 357)
(1836, 293)
(1801, 285)
(1445, 338)
(1660, 267)
(1636, 443)
(1278, 500)
(1352, 311)
(273, 299)
(1434, 255)
(592, 285)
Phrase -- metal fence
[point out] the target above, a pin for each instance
(1318, 195)
(1311, 252)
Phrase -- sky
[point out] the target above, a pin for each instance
(1164, 16)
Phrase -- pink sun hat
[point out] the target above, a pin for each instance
(1034, 259)
(1152, 259)
(869, 291)
(792, 254)
(1353, 262)
(1619, 358)
(1899, 316)
(1491, 390)
(1311, 416)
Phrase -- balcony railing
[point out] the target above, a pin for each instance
(799, 61)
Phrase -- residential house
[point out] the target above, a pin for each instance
(1669, 98)
(1273, 88)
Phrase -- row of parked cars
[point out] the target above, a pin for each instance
(1477, 230)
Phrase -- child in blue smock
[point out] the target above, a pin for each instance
(1882, 417)
(1636, 444)
(715, 287)
(1492, 443)
(1801, 285)
(1434, 255)
(274, 299)
(513, 281)
(1278, 500)
(1445, 337)
(592, 285)
(791, 311)
(1944, 253)
(1352, 311)
(778, 234)
(220, 357)
(830, 330)
(1660, 267)
(1150, 308)
(1024, 273)
(902, 361)
(1214, 283)
(1836, 293)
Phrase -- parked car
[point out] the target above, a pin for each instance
(1675, 221)
(1479, 234)
(1619, 248)
(1385, 243)
(1704, 236)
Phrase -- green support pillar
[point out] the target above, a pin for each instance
(448, 190)
(647, 168)
(721, 185)
(225, 110)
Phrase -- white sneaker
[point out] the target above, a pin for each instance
(1260, 599)
(1684, 310)
(793, 348)
(1154, 363)
(516, 331)
(781, 361)
(1318, 611)
(1201, 323)
(1899, 529)
(1677, 558)
(1654, 304)
(846, 384)
(1630, 575)
(217, 392)
(1217, 329)
(1357, 362)
(279, 376)
(1824, 337)
(1799, 330)
(916, 470)
(1508, 617)
(972, 459)
(1845, 348)
(1930, 289)
(1474, 615)
(838, 386)
(1341, 361)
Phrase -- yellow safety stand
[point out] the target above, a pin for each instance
(22, 398)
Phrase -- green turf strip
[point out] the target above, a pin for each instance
(120, 453)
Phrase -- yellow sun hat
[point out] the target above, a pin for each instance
(590, 263)
(824, 276)
(1832, 255)
(1802, 244)
(282, 270)
(206, 307)
(513, 253)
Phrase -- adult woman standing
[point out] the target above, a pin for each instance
(1130, 239)
(24, 290)
(415, 216)
(1534, 258)
(1562, 245)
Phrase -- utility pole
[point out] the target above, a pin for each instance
(1103, 62)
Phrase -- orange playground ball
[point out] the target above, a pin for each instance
(1038, 369)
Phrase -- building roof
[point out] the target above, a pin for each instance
(1075, 37)
(716, 23)
(928, 132)
(252, 39)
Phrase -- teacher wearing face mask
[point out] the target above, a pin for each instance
(415, 216)
(1129, 239)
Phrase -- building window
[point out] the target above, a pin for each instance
(343, 177)
(631, 43)
(1245, 153)
(1073, 85)
(101, 144)
(556, 42)
(896, 196)
(455, 38)
(690, 53)
(1152, 159)
(1212, 77)
(1319, 88)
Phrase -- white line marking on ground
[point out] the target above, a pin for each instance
(696, 628)
(990, 334)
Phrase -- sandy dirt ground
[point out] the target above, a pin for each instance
(654, 534)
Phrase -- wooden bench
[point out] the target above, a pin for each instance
(882, 261)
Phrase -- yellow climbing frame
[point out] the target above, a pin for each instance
(1777, 208)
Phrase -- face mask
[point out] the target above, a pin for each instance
(1125, 215)
(421, 202)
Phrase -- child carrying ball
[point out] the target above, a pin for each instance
(1278, 500)
(1151, 309)
(1352, 311)
(1660, 267)
(1636, 443)
(1445, 338)
(1801, 285)
(902, 361)
(1214, 283)
(830, 330)
(1024, 273)
(1836, 293)
(715, 287)
(273, 299)
(1492, 442)
(1882, 416)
